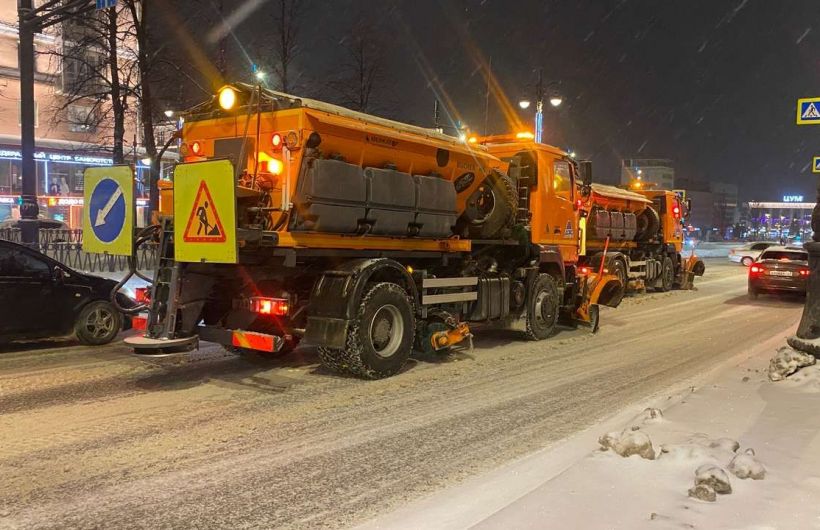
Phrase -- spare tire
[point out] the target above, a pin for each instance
(649, 222)
(490, 210)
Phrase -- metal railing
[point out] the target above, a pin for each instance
(66, 247)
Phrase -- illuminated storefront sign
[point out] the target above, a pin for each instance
(60, 201)
(58, 157)
(792, 198)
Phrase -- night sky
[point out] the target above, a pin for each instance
(711, 84)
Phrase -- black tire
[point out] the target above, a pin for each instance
(98, 323)
(618, 268)
(648, 224)
(491, 209)
(380, 339)
(667, 279)
(746, 261)
(753, 293)
(542, 308)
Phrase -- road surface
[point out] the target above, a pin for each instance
(97, 438)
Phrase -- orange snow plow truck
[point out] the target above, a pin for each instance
(635, 235)
(294, 220)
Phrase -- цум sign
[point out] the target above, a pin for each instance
(792, 198)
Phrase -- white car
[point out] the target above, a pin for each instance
(749, 252)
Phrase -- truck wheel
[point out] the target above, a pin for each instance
(649, 222)
(542, 308)
(380, 338)
(492, 207)
(667, 274)
(98, 323)
(619, 269)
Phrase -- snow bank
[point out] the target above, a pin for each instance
(628, 443)
(745, 465)
(714, 477)
(787, 361)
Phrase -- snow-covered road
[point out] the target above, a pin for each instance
(95, 438)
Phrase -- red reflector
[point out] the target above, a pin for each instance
(139, 323)
(254, 341)
(269, 306)
(142, 295)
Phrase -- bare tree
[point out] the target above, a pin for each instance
(362, 80)
(97, 79)
(287, 18)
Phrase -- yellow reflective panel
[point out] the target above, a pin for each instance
(108, 216)
(205, 212)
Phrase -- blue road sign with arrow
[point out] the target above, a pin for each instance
(108, 219)
(102, 4)
(815, 165)
(107, 210)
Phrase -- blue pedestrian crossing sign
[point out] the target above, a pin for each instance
(815, 164)
(808, 111)
(108, 219)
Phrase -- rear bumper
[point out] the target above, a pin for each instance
(248, 340)
(792, 286)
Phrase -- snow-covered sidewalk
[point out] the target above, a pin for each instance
(580, 485)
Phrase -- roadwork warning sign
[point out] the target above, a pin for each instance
(205, 212)
(203, 224)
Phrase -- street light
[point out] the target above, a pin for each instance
(169, 113)
(554, 97)
(260, 75)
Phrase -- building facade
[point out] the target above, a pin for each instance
(656, 172)
(68, 136)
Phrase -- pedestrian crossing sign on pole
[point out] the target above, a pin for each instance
(815, 165)
(808, 111)
(205, 212)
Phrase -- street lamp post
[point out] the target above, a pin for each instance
(555, 100)
(31, 21)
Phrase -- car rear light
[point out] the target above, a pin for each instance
(269, 306)
(756, 269)
(142, 295)
(804, 272)
(583, 271)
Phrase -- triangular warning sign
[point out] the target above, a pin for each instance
(204, 225)
(811, 113)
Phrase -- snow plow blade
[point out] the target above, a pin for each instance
(606, 290)
(694, 266)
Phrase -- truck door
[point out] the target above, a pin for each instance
(563, 223)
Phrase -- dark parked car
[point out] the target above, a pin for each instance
(779, 269)
(42, 298)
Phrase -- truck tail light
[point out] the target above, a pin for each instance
(583, 271)
(142, 295)
(196, 148)
(276, 141)
(269, 306)
(676, 211)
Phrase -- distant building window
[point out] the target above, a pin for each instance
(81, 119)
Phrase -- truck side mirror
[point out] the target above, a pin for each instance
(585, 169)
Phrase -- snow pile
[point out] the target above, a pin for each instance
(745, 465)
(787, 361)
(628, 443)
(714, 477)
(703, 492)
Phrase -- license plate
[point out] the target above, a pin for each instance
(779, 273)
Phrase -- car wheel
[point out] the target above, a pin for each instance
(746, 261)
(98, 323)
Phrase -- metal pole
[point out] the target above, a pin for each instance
(539, 107)
(29, 210)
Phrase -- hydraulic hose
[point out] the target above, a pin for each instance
(144, 235)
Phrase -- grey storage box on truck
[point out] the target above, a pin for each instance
(616, 223)
(600, 228)
(391, 201)
(630, 226)
(436, 206)
(331, 197)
